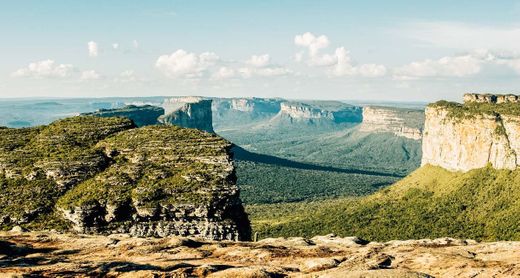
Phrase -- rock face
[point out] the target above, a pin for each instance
(491, 98)
(399, 121)
(103, 175)
(190, 112)
(464, 137)
(332, 112)
(141, 115)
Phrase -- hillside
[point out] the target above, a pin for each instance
(104, 175)
(431, 202)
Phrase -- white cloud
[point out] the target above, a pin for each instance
(135, 43)
(339, 63)
(314, 43)
(127, 76)
(185, 64)
(90, 75)
(259, 60)
(92, 49)
(224, 73)
(115, 46)
(457, 66)
(45, 69)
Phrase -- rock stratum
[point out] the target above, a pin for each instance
(461, 137)
(402, 122)
(104, 175)
(321, 112)
(47, 254)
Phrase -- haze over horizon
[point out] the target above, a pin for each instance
(375, 50)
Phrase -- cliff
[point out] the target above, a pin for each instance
(103, 175)
(461, 137)
(314, 112)
(141, 115)
(407, 123)
(189, 112)
(491, 98)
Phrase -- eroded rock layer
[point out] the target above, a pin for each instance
(190, 112)
(103, 175)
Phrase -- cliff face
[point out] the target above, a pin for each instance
(401, 122)
(190, 112)
(103, 175)
(465, 137)
(141, 115)
(326, 112)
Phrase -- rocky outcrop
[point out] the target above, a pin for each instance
(189, 112)
(464, 137)
(141, 115)
(327, 256)
(407, 123)
(491, 98)
(103, 175)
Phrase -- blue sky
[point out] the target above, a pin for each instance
(391, 50)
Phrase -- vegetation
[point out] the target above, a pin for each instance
(267, 183)
(92, 160)
(470, 110)
(481, 204)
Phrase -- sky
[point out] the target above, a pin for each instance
(342, 50)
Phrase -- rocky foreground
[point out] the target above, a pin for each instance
(48, 254)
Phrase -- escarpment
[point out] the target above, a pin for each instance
(104, 175)
(140, 115)
(403, 122)
(190, 112)
(318, 113)
(461, 137)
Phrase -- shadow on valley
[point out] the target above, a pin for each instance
(244, 155)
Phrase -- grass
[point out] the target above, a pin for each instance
(482, 204)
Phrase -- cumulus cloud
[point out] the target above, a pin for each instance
(45, 69)
(339, 62)
(92, 49)
(185, 64)
(115, 46)
(135, 44)
(90, 75)
(259, 60)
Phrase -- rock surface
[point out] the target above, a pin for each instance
(50, 254)
(461, 138)
(407, 123)
(189, 112)
(103, 175)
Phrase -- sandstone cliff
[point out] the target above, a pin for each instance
(103, 175)
(464, 137)
(190, 112)
(141, 115)
(318, 112)
(399, 121)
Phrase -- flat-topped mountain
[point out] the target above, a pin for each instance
(190, 112)
(140, 115)
(104, 175)
(313, 112)
(461, 137)
(403, 122)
